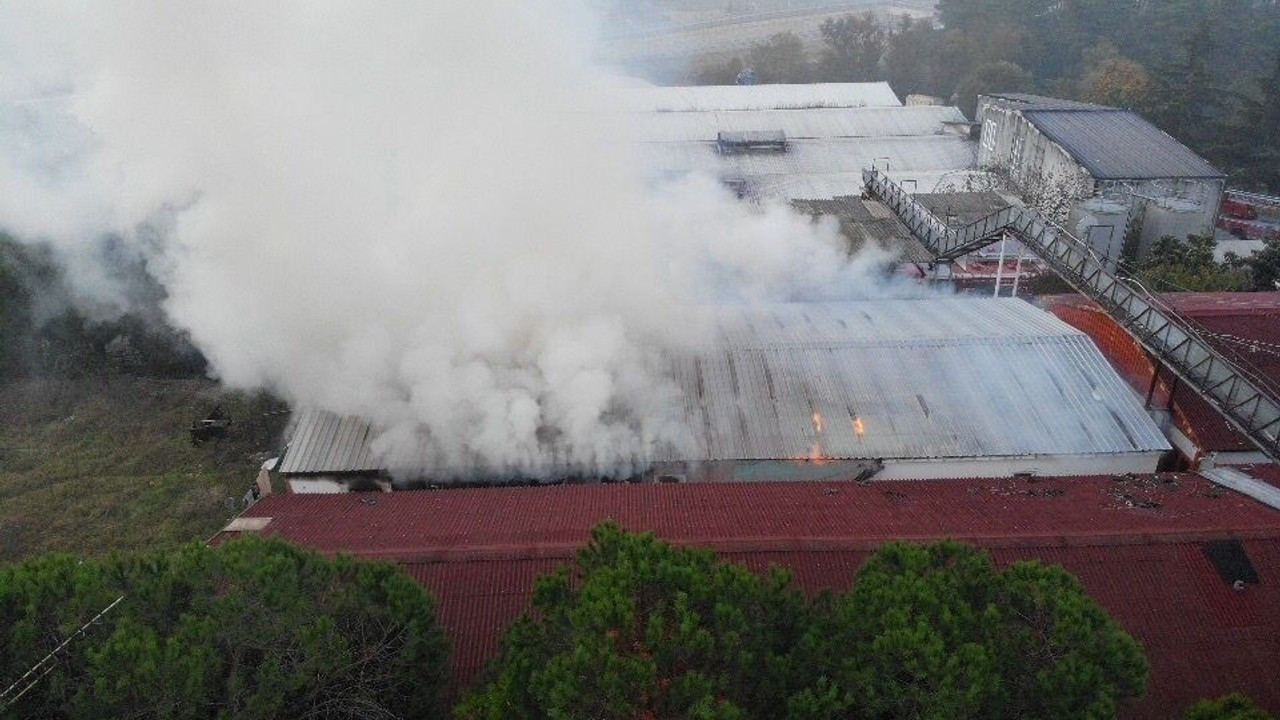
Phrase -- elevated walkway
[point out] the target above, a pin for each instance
(1242, 397)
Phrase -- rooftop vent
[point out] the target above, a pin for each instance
(751, 141)
(1232, 562)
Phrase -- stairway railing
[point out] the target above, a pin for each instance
(1241, 397)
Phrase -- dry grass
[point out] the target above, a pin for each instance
(90, 466)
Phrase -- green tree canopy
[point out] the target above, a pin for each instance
(640, 629)
(780, 59)
(251, 629)
(939, 632)
(852, 48)
(643, 629)
(1174, 265)
(1229, 707)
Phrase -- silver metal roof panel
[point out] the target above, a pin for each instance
(899, 379)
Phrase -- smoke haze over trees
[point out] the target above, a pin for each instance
(1206, 71)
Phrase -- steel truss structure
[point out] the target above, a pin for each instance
(1241, 396)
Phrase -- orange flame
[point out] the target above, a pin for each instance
(817, 422)
(858, 427)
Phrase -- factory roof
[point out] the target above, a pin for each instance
(1136, 543)
(907, 379)
(943, 377)
(829, 185)
(700, 98)
(833, 132)
(1120, 145)
(1246, 328)
(1026, 101)
(1110, 143)
(824, 123)
(815, 157)
(868, 223)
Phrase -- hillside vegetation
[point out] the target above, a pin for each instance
(94, 464)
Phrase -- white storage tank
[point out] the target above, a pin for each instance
(1101, 222)
(1178, 217)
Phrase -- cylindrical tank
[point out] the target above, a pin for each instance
(1177, 217)
(1101, 222)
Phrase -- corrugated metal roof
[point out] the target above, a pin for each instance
(846, 156)
(1041, 102)
(797, 124)
(479, 550)
(701, 98)
(325, 442)
(934, 378)
(868, 223)
(479, 523)
(1120, 145)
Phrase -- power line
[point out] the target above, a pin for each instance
(37, 672)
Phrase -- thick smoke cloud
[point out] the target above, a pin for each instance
(410, 212)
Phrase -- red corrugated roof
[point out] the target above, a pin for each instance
(1201, 304)
(1133, 541)
(1230, 318)
(486, 522)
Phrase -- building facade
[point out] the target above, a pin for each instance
(1110, 177)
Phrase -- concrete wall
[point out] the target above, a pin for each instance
(1039, 167)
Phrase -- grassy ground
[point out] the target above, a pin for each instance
(93, 465)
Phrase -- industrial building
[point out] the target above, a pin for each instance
(820, 431)
(822, 135)
(890, 389)
(1113, 171)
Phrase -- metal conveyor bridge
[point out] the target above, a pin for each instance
(1242, 398)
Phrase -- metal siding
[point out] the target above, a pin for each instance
(1120, 145)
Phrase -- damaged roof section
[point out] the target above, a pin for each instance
(895, 379)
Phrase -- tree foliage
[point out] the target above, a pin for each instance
(1189, 264)
(780, 59)
(940, 632)
(1115, 80)
(640, 629)
(644, 629)
(252, 629)
(852, 48)
(1229, 707)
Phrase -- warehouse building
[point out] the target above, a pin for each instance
(891, 389)
(789, 142)
(1104, 170)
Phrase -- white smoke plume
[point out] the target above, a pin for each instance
(410, 212)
